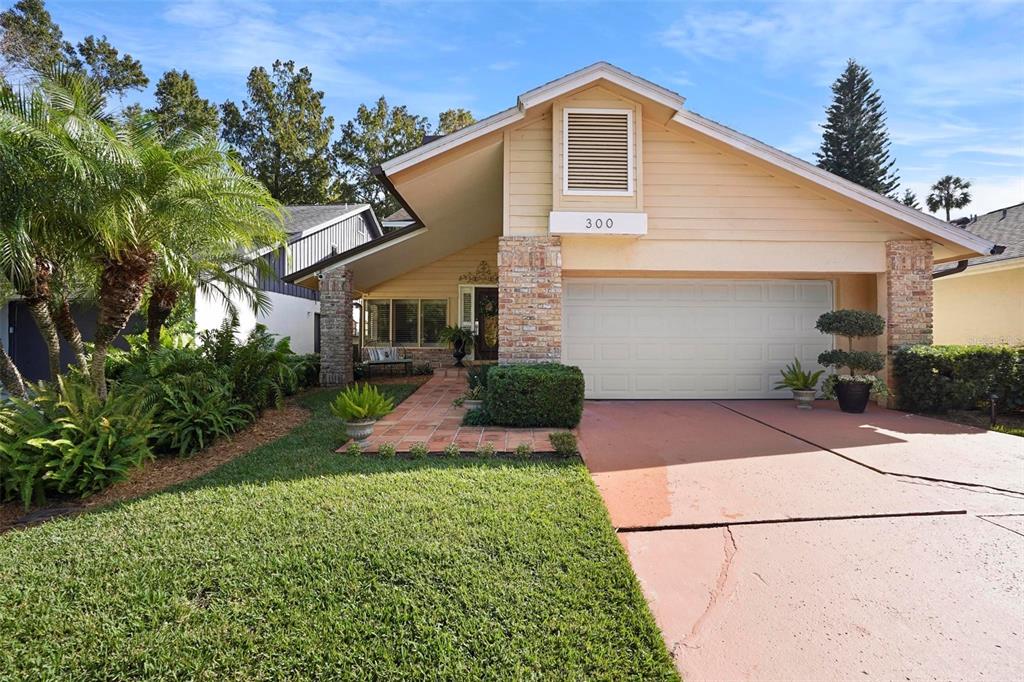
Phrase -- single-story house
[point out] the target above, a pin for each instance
(599, 222)
(314, 233)
(981, 300)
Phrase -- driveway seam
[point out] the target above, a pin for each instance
(866, 466)
(795, 519)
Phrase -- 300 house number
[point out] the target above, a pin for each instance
(599, 223)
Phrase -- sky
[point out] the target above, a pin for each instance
(951, 73)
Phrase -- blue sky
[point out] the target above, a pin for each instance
(951, 73)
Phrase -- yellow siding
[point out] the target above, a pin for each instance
(984, 307)
(529, 177)
(440, 279)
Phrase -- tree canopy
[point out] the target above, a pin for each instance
(179, 106)
(33, 44)
(283, 134)
(855, 142)
(454, 119)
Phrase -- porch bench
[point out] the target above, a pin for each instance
(389, 355)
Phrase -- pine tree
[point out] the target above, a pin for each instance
(283, 134)
(855, 144)
(910, 199)
(179, 106)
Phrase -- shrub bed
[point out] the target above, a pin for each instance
(543, 395)
(942, 378)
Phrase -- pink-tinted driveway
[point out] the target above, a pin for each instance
(777, 544)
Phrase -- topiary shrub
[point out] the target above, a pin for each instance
(542, 395)
(943, 378)
(861, 364)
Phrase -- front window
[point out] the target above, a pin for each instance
(405, 322)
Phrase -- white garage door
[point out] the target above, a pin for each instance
(648, 338)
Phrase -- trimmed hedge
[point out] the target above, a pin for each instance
(546, 395)
(942, 378)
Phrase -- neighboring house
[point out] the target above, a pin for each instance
(984, 303)
(599, 223)
(314, 233)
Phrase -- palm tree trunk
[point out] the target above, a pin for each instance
(122, 285)
(69, 331)
(40, 311)
(10, 376)
(161, 302)
(947, 213)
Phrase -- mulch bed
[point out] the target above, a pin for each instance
(166, 471)
(981, 418)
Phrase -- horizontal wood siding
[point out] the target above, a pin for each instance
(440, 279)
(529, 178)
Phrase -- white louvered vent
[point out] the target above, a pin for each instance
(598, 151)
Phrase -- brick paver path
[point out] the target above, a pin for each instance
(428, 416)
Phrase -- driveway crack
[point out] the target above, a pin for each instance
(719, 588)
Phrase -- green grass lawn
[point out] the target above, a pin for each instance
(296, 562)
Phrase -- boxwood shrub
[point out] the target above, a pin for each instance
(942, 378)
(541, 395)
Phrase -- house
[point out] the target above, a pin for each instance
(981, 300)
(599, 222)
(314, 233)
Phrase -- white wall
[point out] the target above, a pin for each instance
(289, 316)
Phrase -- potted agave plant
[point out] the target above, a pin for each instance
(803, 384)
(359, 407)
(459, 339)
(853, 390)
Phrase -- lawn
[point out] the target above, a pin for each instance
(297, 562)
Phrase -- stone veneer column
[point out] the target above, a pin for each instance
(336, 327)
(908, 292)
(529, 299)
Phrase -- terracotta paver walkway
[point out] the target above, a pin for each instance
(428, 416)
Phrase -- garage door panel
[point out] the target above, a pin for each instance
(691, 338)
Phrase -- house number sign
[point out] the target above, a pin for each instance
(588, 222)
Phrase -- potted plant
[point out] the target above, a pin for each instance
(460, 340)
(359, 407)
(803, 384)
(854, 389)
(473, 399)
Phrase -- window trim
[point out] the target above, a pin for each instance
(391, 321)
(630, 148)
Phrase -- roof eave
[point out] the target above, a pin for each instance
(355, 253)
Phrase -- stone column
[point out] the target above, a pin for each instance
(908, 297)
(336, 327)
(529, 299)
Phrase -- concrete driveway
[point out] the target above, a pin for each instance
(778, 544)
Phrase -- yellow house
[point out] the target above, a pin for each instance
(982, 300)
(600, 223)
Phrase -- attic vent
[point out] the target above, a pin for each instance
(598, 151)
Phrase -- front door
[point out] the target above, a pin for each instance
(485, 312)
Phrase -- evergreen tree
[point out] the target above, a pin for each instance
(855, 143)
(376, 134)
(33, 44)
(282, 134)
(454, 119)
(949, 192)
(910, 199)
(179, 106)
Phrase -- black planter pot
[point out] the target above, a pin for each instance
(459, 352)
(853, 396)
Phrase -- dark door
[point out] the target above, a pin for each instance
(486, 314)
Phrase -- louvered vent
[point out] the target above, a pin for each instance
(597, 151)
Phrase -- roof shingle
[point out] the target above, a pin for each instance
(1005, 227)
(298, 219)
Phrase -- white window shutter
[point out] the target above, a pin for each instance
(466, 306)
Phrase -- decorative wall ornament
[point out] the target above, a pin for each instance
(484, 274)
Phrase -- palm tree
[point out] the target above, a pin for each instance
(187, 197)
(949, 192)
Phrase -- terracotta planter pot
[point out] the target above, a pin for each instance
(853, 396)
(804, 399)
(359, 431)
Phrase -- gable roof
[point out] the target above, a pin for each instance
(1003, 226)
(301, 219)
(705, 126)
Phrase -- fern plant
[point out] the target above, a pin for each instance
(362, 403)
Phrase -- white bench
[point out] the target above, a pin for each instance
(386, 355)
